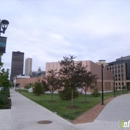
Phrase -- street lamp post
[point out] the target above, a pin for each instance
(102, 62)
(114, 87)
(3, 26)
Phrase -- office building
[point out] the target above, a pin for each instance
(17, 64)
(121, 70)
(28, 66)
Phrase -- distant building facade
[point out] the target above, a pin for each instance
(28, 66)
(121, 71)
(95, 69)
(91, 66)
(17, 64)
(38, 73)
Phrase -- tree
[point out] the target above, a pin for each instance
(38, 88)
(89, 81)
(71, 73)
(52, 81)
(4, 81)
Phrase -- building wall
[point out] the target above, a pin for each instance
(94, 68)
(91, 66)
(28, 66)
(17, 63)
(119, 71)
(23, 81)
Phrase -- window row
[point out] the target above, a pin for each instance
(120, 83)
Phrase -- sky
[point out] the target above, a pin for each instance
(47, 30)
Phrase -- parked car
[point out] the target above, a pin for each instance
(1, 88)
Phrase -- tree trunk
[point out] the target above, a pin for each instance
(85, 94)
(72, 93)
(52, 96)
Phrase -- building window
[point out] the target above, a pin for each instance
(122, 83)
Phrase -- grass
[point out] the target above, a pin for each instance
(60, 106)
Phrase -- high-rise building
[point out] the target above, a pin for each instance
(17, 64)
(28, 66)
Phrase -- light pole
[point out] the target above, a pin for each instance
(114, 87)
(102, 62)
(3, 26)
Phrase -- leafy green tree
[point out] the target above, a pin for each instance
(95, 93)
(45, 85)
(52, 81)
(4, 81)
(38, 88)
(89, 81)
(71, 73)
(27, 86)
(65, 94)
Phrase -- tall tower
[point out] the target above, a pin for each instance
(28, 66)
(17, 63)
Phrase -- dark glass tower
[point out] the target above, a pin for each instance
(17, 63)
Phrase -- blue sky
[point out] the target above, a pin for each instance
(47, 30)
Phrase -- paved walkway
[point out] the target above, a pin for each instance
(91, 114)
(25, 114)
(111, 115)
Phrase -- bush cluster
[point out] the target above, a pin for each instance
(38, 88)
(5, 102)
(27, 86)
(66, 94)
(95, 93)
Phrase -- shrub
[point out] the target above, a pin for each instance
(27, 86)
(95, 93)
(66, 94)
(5, 102)
(123, 89)
(38, 88)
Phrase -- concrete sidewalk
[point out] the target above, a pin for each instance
(111, 116)
(24, 115)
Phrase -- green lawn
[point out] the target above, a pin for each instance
(60, 106)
